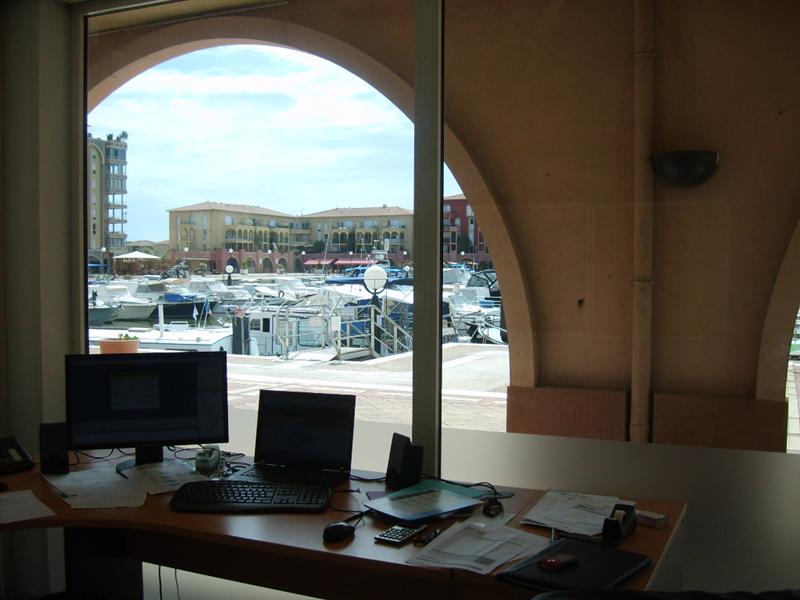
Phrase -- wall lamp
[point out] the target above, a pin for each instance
(685, 167)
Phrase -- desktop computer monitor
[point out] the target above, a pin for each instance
(146, 401)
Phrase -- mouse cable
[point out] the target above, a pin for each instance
(92, 456)
(368, 479)
(177, 585)
(485, 484)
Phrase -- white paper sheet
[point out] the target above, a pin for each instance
(103, 487)
(477, 548)
(22, 506)
(98, 488)
(571, 512)
(168, 476)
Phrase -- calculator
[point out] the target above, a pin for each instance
(399, 534)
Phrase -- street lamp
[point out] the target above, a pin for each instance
(103, 252)
(375, 279)
(229, 270)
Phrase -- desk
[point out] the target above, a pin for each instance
(105, 548)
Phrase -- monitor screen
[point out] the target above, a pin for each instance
(305, 430)
(146, 399)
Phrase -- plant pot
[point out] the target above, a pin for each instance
(119, 346)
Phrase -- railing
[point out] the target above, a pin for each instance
(364, 327)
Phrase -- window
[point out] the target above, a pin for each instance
(230, 220)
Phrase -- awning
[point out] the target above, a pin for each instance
(319, 261)
(354, 261)
(137, 255)
(311, 261)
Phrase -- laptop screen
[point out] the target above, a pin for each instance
(305, 430)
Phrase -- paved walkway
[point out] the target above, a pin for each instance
(475, 378)
(474, 382)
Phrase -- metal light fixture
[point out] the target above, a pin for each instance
(229, 270)
(686, 168)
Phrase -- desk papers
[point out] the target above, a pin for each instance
(477, 548)
(98, 488)
(103, 487)
(571, 512)
(21, 506)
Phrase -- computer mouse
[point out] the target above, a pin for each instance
(337, 531)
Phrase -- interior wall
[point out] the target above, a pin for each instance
(36, 181)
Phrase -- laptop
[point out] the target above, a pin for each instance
(303, 438)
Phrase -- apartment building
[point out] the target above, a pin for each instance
(360, 230)
(106, 187)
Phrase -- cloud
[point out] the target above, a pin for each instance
(256, 125)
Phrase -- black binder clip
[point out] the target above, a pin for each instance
(620, 525)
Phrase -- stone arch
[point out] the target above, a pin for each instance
(282, 265)
(776, 334)
(117, 57)
(267, 266)
(298, 265)
(250, 265)
(233, 262)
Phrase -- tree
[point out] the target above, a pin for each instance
(463, 243)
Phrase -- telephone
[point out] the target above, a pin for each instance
(13, 456)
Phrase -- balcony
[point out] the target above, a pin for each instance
(116, 221)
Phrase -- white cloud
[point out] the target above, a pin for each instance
(256, 125)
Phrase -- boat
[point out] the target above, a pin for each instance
(183, 340)
(100, 314)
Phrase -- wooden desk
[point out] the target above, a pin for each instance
(105, 548)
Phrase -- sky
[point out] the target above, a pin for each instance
(257, 125)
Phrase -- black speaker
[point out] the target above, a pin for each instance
(405, 463)
(53, 448)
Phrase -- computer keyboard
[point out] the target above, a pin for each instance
(249, 497)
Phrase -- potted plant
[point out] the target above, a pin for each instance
(124, 344)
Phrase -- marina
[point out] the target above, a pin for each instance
(286, 315)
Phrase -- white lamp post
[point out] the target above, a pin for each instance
(229, 270)
(375, 279)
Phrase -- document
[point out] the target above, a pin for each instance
(21, 506)
(477, 548)
(571, 512)
(98, 488)
(103, 487)
(167, 476)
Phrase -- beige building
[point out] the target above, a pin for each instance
(389, 228)
(212, 226)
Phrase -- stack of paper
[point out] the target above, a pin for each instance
(21, 506)
(103, 487)
(571, 512)
(477, 548)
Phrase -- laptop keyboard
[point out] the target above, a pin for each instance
(249, 497)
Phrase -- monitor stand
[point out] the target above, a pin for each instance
(144, 455)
